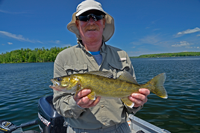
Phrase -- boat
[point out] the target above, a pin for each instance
(49, 121)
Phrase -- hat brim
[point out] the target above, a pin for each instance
(108, 30)
(89, 8)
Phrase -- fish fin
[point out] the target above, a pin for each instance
(76, 93)
(78, 89)
(92, 96)
(127, 102)
(126, 76)
(107, 74)
(156, 85)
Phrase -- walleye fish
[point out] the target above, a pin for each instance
(101, 84)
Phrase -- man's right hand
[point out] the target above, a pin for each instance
(83, 101)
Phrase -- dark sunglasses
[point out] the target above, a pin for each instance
(87, 17)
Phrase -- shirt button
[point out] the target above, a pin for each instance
(102, 106)
(104, 123)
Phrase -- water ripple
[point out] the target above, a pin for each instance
(181, 111)
(24, 84)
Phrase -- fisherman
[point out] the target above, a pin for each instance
(93, 27)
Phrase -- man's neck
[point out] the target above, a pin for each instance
(92, 46)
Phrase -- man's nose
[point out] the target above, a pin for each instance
(91, 20)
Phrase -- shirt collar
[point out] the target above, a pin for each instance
(102, 49)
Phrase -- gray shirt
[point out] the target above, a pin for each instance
(107, 112)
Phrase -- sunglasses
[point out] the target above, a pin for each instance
(87, 17)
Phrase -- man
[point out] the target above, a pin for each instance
(93, 27)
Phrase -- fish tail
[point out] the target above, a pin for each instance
(156, 85)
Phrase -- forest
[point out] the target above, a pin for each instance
(180, 54)
(28, 55)
(49, 55)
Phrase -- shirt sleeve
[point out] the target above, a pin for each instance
(63, 102)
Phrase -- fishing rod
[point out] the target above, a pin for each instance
(9, 127)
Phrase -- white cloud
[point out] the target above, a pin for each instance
(3, 44)
(56, 41)
(198, 35)
(182, 44)
(67, 45)
(10, 43)
(195, 47)
(8, 12)
(189, 31)
(155, 29)
(3, 11)
(18, 37)
(150, 39)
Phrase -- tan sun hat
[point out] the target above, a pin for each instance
(92, 5)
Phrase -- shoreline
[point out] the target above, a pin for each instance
(163, 55)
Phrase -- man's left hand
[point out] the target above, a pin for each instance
(139, 98)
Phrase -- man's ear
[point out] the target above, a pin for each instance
(77, 24)
(104, 22)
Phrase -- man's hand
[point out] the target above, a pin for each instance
(139, 98)
(83, 101)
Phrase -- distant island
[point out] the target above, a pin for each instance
(180, 54)
(49, 55)
(28, 55)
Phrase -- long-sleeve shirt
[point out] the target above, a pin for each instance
(109, 111)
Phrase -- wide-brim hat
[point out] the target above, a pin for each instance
(92, 5)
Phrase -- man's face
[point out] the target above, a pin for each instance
(91, 30)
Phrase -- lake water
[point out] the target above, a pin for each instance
(23, 84)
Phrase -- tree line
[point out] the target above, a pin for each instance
(49, 55)
(169, 55)
(28, 55)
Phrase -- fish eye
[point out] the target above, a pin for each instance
(59, 79)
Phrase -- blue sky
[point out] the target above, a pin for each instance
(141, 26)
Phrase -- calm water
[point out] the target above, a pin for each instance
(23, 84)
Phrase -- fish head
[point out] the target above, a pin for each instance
(56, 81)
(67, 84)
(61, 81)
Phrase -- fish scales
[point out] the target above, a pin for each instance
(107, 87)
(122, 87)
